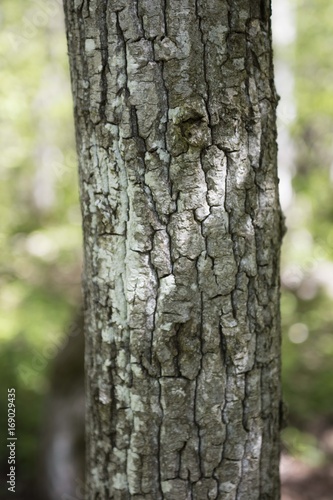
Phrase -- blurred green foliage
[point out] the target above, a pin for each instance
(40, 231)
(303, 446)
(307, 267)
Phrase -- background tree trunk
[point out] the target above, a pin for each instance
(175, 120)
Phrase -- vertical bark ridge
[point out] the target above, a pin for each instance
(175, 118)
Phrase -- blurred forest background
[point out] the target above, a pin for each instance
(40, 234)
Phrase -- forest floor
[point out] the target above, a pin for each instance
(303, 482)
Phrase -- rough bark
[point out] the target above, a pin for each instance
(175, 120)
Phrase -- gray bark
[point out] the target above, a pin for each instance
(175, 120)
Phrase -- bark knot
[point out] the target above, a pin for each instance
(196, 131)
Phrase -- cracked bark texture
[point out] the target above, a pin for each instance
(175, 120)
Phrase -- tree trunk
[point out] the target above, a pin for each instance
(175, 121)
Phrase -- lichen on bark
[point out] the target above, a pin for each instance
(175, 119)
